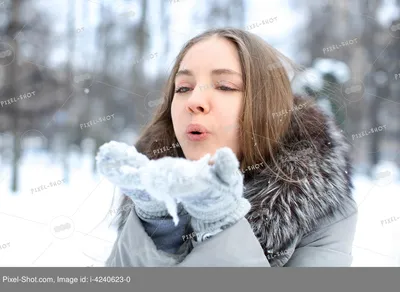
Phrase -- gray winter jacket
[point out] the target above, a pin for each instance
(305, 217)
(329, 246)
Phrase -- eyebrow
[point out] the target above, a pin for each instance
(186, 72)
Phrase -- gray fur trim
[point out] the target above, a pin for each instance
(283, 210)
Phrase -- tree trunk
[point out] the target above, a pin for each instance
(66, 129)
(13, 28)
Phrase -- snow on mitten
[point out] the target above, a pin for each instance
(211, 194)
(169, 178)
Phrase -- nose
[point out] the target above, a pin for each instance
(198, 102)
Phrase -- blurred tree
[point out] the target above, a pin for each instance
(99, 106)
(333, 22)
(375, 40)
(224, 13)
(394, 54)
(166, 21)
(67, 128)
(21, 76)
(13, 27)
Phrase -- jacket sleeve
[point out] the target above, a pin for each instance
(236, 246)
(330, 245)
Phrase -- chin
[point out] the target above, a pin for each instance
(196, 155)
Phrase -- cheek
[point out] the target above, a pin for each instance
(228, 114)
(229, 118)
(176, 113)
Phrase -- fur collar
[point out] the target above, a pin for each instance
(315, 183)
(317, 159)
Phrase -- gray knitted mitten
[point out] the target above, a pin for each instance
(121, 164)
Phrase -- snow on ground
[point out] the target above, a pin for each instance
(377, 240)
(69, 224)
(60, 226)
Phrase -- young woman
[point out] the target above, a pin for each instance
(290, 205)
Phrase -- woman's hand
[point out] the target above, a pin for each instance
(121, 164)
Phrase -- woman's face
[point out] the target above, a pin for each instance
(208, 92)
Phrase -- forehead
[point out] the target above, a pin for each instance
(214, 52)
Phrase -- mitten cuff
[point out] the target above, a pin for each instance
(214, 205)
(146, 206)
(202, 227)
(153, 209)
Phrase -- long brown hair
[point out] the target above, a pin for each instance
(267, 92)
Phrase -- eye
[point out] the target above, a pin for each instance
(182, 89)
(226, 88)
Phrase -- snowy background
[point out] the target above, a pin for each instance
(125, 48)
